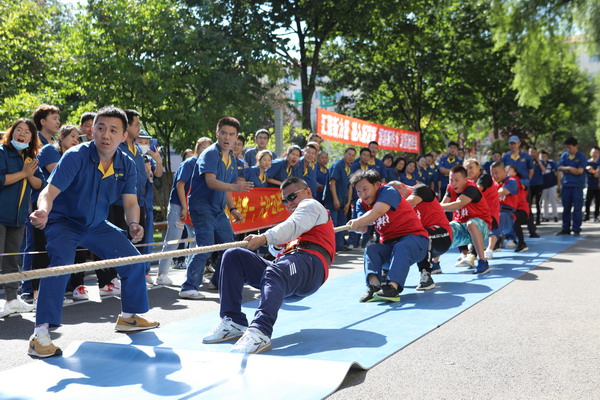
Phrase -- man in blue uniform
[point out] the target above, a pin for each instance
(445, 165)
(72, 210)
(572, 166)
(261, 137)
(337, 194)
(213, 180)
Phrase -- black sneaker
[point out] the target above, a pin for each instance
(387, 293)
(534, 235)
(368, 296)
(555, 219)
(426, 282)
(521, 247)
(576, 233)
(563, 232)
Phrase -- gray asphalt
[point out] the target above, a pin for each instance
(536, 338)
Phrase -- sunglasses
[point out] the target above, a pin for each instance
(292, 196)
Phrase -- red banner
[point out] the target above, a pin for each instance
(261, 208)
(340, 128)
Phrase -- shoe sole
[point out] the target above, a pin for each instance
(127, 328)
(34, 354)
(372, 299)
(521, 250)
(258, 351)
(192, 298)
(426, 288)
(436, 271)
(484, 272)
(383, 298)
(225, 339)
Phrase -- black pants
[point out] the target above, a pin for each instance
(592, 194)
(439, 243)
(521, 219)
(535, 197)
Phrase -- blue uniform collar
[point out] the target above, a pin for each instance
(96, 158)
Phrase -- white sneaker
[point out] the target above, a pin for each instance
(109, 290)
(66, 301)
(191, 295)
(149, 280)
(252, 341)
(211, 286)
(488, 254)
(16, 306)
(163, 280)
(205, 280)
(510, 244)
(117, 284)
(80, 293)
(226, 330)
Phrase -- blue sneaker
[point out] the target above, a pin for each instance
(436, 268)
(483, 267)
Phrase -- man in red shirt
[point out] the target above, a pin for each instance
(403, 240)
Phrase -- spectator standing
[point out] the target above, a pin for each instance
(551, 182)
(593, 191)
(572, 166)
(261, 138)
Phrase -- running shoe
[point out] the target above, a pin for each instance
(134, 323)
(40, 346)
(252, 341)
(426, 282)
(226, 330)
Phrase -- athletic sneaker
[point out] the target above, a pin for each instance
(164, 280)
(426, 282)
(488, 254)
(67, 301)
(368, 296)
(563, 232)
(387, 293)
(467, 261)
(521, 247)
(16, 306)
(191, 295)
(436, 268)
(252, 341)
(483, 267)
(226, 330)
(41, 346)
(149, 280)
(80, 293)
(510, 244)
(179, 265)
(109, 290)
(534, 235)
(134, 323)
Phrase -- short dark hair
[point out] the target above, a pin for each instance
(497, 152)
(419, 157)
(292, 148)
(544, 152)
(362, 150)
(373, 142)
(242, 138)
(371, 175)
(459, 169)
(452, 143)
(229, 121)
(114, 112)
(571, 141)
(42, 112)
(388, 157)
(350, 149)
(266, 132)
(500, 164)
(130, 115)
(86, 116)
(35, 144)
(429, 155)
(291, 180)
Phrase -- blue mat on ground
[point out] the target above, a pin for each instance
(315, 341)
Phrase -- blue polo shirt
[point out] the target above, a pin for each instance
(183, 173)
(87, 192)
(487, 167)
(447, 162)
(522, 162)
(202, 198)
(14, 200)
(592, 181)
(280, 170)
(322, 177)
(142, 179)
(250, 156)
(576, 160)
(48, 155)
(240, 165)
(549, 177)
(376, 164)
(342, 184)
(536, 179)
(308, 173)
(252, 174)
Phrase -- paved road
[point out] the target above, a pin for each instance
(538, 337)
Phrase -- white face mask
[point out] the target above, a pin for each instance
(18, 145)
(144, 148)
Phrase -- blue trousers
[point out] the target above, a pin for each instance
(27, 247)
(409, 250)
(295, 274)
(210, 229)
(339, 219)
(572, 198)
(505, 225)
(106, 241)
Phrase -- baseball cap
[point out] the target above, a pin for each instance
(514, 139)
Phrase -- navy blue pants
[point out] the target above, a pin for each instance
(339, 219)
(295, 274)
(572, 198)
(105, 240)
(210, 229)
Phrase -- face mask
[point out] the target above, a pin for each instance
(144, 148)
(18, 145)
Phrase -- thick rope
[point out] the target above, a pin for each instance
(117, 262)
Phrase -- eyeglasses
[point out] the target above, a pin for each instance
(292, 196)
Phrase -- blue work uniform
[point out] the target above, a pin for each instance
(446, 162)
(250, 156)
(253, 175)
(322, 181)
(240, 165)
(522, 162)
(207, 210)
(280, 170)
(183, 173)
(340, 173)
(308, 173)
(78, 218)
(572, 191)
